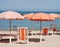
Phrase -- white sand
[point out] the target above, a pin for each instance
(50, 41)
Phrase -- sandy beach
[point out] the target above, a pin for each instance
(49, 41)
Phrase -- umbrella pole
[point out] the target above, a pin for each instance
(10, 32)
(41, 31)
(40, 25)
(10, 27)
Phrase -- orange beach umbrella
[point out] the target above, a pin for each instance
(39, 17)
(42, 17)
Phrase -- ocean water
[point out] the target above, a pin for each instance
(4, 24)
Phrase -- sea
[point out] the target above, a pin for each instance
(4, 24)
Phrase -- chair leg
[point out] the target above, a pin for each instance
(10, 40)
(41, 38)
(0, 38)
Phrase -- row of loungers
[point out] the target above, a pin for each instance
(22, 35)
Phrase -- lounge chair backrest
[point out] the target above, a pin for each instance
(22, 33)
(45, 30)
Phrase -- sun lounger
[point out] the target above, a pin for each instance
(45, 31)
(54, 30)
(8, 36)
(22, 35)
(34, 35)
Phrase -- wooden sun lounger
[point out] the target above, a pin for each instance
(8, 36)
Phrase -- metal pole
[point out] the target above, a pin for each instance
(10, 27)
(40, 26)
(41, 31)
(10, 31)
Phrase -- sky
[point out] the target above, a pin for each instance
(34, 5)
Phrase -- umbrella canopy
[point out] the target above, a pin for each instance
(54, 15)
(39, 17)
(10, 15)
(28, 15)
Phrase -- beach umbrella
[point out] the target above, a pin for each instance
(11, 15)
(40, 17)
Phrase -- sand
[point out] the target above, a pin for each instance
(49, 41)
